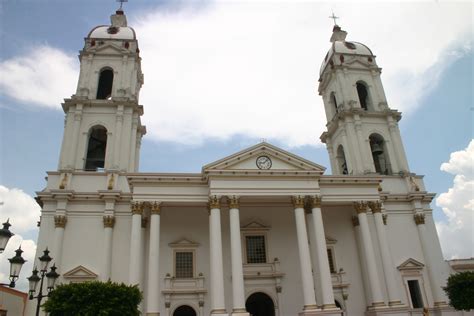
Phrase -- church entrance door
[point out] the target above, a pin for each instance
(260, 304)
(184, 310)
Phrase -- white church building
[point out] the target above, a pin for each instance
(262, 232)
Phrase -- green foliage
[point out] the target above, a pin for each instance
(460, 290)
(93, 299)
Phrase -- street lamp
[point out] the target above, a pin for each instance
(34, 279)
(5, 235)
(15, 266)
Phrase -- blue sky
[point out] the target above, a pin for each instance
(427, 74)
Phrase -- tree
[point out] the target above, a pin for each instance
(460, 290)
(94, 299)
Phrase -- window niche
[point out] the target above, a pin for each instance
(333, 101)
(184, 259)
(255, 244)
(412, 274)
(104, 88)
(96, 148)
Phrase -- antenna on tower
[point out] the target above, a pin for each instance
(121, 3)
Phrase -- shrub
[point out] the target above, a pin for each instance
(460, 290)
(93, 299)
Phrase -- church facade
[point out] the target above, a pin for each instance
(262, 232)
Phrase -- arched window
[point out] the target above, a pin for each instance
(379, 154)
(106, 79)
(363, 94)
(96, 146)
(341, 160)
(334, 101)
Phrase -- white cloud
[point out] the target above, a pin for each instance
(23, 212)
(20, 208)
(457, 234)
(43, 77)
(251, 68)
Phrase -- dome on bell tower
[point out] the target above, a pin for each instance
(341, 47)
(117, 30)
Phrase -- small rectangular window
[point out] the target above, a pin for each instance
(184, 264)
(332, 266)
(415, 293)
(256, 252)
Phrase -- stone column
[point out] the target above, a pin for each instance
(388, 267)
(238, 292)
(362, 256)
(305, 260)
(216, 266)
(375, 288)
(72, 161)
(321, 250)
(436, 289)
(109, 222)
(153, 293)
(118, 137)
(135, 243)
(59, 224)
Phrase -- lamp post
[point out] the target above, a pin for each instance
(34, 279)
(17, 261)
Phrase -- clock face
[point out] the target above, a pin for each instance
(264, 162)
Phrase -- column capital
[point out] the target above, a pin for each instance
(314, 201)
(155, 208)
(355, 221)
(214, 202)
(233, 201)
(60, 221)
(298, 201)
(360, 207)
(109, 221)
(375, 206)
(419, 218)
(137, 208)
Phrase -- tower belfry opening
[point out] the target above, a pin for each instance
(104, 89)
(96, 147)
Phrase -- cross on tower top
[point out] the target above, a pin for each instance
(334, 17)
(121, 3)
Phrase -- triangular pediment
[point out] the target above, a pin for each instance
(254, 225)
(411, 264)
(184, 243)
(108, 48)
(276, 159)
(80, 272)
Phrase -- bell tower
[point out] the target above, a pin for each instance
(362, 134)
(103, 129)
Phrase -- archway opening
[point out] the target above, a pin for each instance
(96, 147)
(379, 154)
(260, 304)
(363, 95)
(184, 310)
(341, 160)
(104, 89)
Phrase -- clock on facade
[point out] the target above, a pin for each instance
(264, 162)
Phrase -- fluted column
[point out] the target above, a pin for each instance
(153, 293)
(135, 243)
(59, 226)
(375, 288)
(109, 222)
(321, 249)
(388, 267)
(216, 266)
(238, 292)
(437, 290)
(305, 260)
